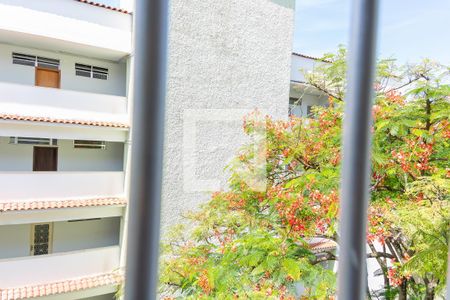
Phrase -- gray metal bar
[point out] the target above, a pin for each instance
(355, 178)
(150, 40)
(448, 274)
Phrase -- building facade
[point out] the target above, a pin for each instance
(302, 97)
(66, 69)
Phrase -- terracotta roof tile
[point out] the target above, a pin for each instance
(323, 245)
(311, 57)
(67, 286)
(62, 121)
(55, 204)
(104, 6)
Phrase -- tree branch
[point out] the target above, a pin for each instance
(323, 90)
(327, 257)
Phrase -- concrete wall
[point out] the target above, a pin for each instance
(71, 159)
(102, 297)
(114, 85)
(71, 236)
(224, 55)
(33, 186)
(20, 157)
(15, 241)
(67, 236)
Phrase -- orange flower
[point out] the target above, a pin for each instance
(203, 282)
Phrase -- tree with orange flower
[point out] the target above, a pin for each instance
(250, 243)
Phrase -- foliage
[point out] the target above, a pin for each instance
(253, 243)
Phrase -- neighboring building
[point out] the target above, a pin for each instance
(65, 115)
(302, 97)
(64, 123)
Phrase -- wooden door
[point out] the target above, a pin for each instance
(47, 77)
(45, 159)
(41, 239)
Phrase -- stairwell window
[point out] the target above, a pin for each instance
(91, 71)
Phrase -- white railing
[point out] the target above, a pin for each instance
(41, 98)
(33, 270)
(31, 186)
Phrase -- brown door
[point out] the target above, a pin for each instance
(47, 77)
(45, 159)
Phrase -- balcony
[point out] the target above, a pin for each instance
(23, 186)
(35, 101)
(31, 100)
(75, 26)
(35, 270)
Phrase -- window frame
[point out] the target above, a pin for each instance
(94, 72)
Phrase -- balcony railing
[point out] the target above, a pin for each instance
(34, 270)
(23, 186)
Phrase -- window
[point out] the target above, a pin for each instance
(35, 61)
(91, 71)
(309, 112)
(294, 106)
(83, 144)
(41, 239)
(294, 100)
(20, 140)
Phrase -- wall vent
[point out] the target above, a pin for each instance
(20, 140)
(83, 144)
(24, 59)
(91, 71)
(49, 63)
(35, 61)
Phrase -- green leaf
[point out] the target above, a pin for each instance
(291, 267)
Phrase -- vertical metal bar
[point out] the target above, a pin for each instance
(355, 178)
(448, 274)
(150, 40)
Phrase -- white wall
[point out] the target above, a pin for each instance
(71, 159)
(15, 241)
(102, 297)
(300, 65)
(114, 85)
(81, 11)
(33, 270)
(71, 236)
(15, 157)
(33, 100)
(20, 157)
(222, 55)
(33, 186)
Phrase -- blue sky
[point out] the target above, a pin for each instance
(409, 30)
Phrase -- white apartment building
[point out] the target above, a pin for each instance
(302, 97)
(64, 123)
(65, 117)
